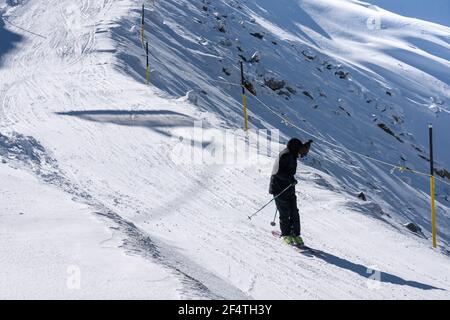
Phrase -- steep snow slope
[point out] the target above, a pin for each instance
(366, 80)
(114, 147)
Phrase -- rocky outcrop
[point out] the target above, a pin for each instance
(274, 84)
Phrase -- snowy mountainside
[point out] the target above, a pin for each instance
(109, 186)
(367, 80)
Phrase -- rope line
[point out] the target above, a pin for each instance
(393, 166)
(23, 29)
(225, 82)
(286, 121)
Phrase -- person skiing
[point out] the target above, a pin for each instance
(283, 179)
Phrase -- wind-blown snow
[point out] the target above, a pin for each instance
(75, 112)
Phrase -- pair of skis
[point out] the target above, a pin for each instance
(302, 248)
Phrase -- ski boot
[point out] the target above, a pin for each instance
(288, 240)
(297, 241)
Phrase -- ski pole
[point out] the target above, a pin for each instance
(273, 222)
(250, 217)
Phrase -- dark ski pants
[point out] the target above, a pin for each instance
(289, 216)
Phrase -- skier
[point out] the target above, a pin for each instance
(282, 177)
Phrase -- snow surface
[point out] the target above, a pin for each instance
(110, 195)
(48, 240)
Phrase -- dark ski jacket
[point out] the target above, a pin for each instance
(283, 172)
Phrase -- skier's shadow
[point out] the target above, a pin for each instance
(367, 272)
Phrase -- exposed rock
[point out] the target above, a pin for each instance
(328, 65)
(291, 90)
(255, 57)
(309, 95)
(417, 148)
(343, 109)
(342, 74)
(397, 119)
(443, 173)
(413, 228)
(249, 87)
(221, 28)
(225, 70)
(257, 35)
(284, 93)
(225, 43)
(308, 55)
(389, 131)
(362, 196)
(274, 84)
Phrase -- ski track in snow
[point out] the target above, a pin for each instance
(109, 148)
(198, 282)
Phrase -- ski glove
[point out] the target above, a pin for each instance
(305, 149)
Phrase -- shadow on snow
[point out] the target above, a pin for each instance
(366, 272)
(8, 40)
(156, 120)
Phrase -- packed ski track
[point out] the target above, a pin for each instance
(102, 145)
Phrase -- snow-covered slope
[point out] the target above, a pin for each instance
(367, 80)
(75, 112)
(55, 248)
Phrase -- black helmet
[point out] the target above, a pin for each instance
(294, 145)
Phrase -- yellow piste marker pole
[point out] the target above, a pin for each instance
(244, 103)
(432, 196)
(244, 98)
(433, 212)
